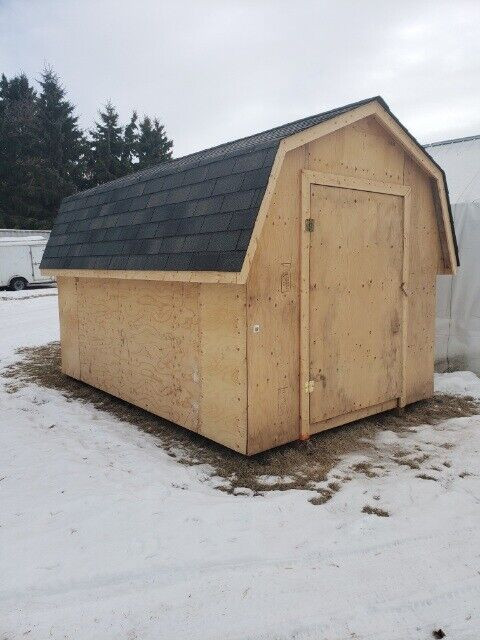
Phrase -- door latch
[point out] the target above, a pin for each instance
(309, 224)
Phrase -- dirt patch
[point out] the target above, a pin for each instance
(412, 463)
(367, 468)
(299, 465)
(375, 511)
(324, 495)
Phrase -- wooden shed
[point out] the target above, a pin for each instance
(263, 290)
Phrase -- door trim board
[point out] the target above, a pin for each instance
(336, 421)
(359, 184)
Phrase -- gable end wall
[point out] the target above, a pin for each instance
(364, 150)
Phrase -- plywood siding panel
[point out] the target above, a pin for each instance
(425, 254)
(273, 317)
(100, 336)
(223, 366)
(362, 150)
(175, 349)
(160, 337)
(356, 262)
(68, 311)
(366, 150)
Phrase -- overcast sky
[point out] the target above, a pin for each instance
(215, 70)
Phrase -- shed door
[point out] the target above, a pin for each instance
(356, 262)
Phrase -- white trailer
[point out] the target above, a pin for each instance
(20, 259)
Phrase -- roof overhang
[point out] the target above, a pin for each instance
(381, 113)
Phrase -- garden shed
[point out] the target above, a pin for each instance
(263, 290)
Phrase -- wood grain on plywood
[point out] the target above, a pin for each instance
(425, 255)
(273, 317)
(68, 312)
(356, 262)
(161, 349)
(100, 338)
(223, 365)
(175, 349)
(362, 150)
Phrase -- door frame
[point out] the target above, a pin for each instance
(310, 178)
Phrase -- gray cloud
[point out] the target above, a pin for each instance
(214, 70)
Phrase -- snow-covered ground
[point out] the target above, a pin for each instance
(103, 535)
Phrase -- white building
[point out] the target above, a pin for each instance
(458, 298)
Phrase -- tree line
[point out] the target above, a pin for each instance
(46, 156)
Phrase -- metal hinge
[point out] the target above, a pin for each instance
(309, 386)
(309, 224)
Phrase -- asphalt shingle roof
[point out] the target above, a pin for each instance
(194, 213)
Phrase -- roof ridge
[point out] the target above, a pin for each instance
(138, 175)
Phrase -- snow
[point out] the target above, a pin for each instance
(103, 535)
(458, 382)
(21, 239)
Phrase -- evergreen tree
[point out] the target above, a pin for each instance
(61, 144)
(153, 144)
(20, 164)
(106, 148)
(130, 141)
(44, 155)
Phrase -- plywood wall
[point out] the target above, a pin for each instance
(425, 262)
(363, 150)
(223, 365)
(175, 349)
(273, 317)
(68, 312)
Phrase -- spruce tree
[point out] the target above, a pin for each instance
(153, 144)
(106, 148)
(61, 144)
(20, 163)
(45, 156)
(130, 141)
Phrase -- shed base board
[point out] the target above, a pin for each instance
(337, 421)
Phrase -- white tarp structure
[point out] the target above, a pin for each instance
(458, 297)
(20, 233)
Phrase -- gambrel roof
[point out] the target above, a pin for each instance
(191, 214)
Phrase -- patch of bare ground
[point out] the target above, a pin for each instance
(323, 496)
(298, 465)
(367, 468)
(375, 511)
(414, 462)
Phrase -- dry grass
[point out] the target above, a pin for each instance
(375, 511)
(299, 465)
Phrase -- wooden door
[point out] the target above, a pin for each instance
(356, 315)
